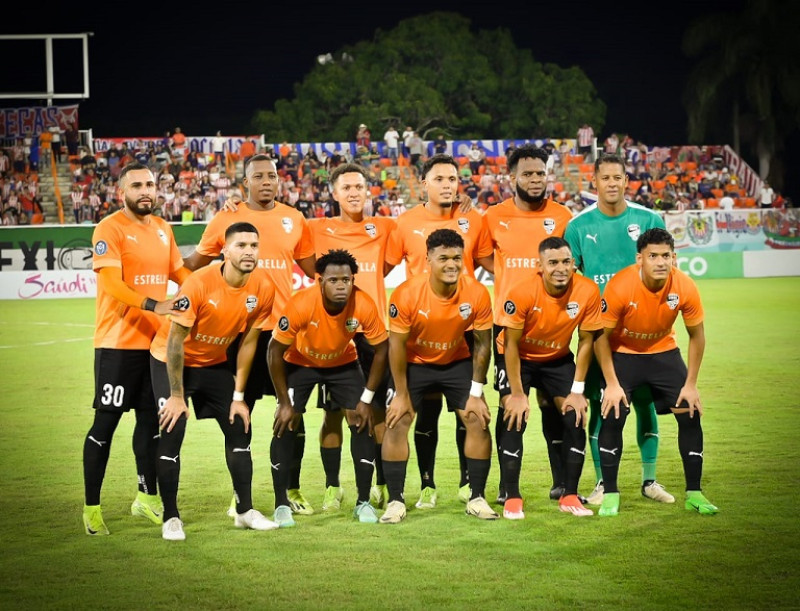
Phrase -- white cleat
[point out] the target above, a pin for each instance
(172, 530)
(395, 513)
(479, 508)
(254, 520)
(656, 491)
(596, 497)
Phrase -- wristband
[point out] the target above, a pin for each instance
(367, 395)
(238, 396)
(150, 304)
(577, 387)
(476, 390)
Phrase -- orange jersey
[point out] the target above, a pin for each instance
(516, 235)
(319, 339)
(414, 227)
(147, 254)
(548, 322)
(366, 241)
(435, 325)
(642, 319)
(217, 314)
(283, 238)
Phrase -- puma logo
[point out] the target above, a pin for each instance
(214, 303)
(170, 458)
(505, 224)
(612, 451)
(314, 323)
(330, 230)
(132, 237)
(634, 305)
(591, 237)
(419, 232)
(424, 313)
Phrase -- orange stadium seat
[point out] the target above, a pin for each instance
(718, 193)
(586, 168)
(462, 160)
(389, 183)
(633, 186)
(712, 203)
(501, 160)
(376, 190)
(558, 187)
(748, 202)
(659, 185)
(385, 162)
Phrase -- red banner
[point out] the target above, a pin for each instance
(30, 120)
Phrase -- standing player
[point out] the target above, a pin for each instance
(517, 226)
(188, 360)
(285, 239)
(313, 345)
(135, 255)
(640, 306)
(603, 241)
(539, 317)
(365, 238)
(408, 242)
(428, 316)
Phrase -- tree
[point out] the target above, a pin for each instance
(745, 85)
(434, 73)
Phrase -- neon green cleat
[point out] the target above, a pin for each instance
(697, 501)
(283, 517)
(365, 513)
(232, 508)
(332, 501)
(610, 504)
(147, 506)
(93, 520)
(464, 493)
(298, 503)
(379, 496)
(427, 499)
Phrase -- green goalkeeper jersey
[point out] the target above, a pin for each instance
(602, 245)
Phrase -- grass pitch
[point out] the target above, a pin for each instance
(651, 556)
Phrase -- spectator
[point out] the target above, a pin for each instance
(247, 150)
(612, 144)
(391, 138)
(408, 133)
(45, 148)
(415, 149)
(179, 144)
(476, 157)
(767, 196)
(73, 138)
(363, 137)
(55, 130)
(585, 141)
(440, 145)
(219, 146)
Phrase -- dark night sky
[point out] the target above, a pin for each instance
(209, 69)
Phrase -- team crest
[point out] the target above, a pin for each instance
(549, 226)
(465, 310)
(162, 236)
(100, 248)
(463, 225)
(572, 309)
(392, 311)
(633, 231)
(509, 307)
(351, 324)
(181, 305)
(672, 300)
(283, 323)
(603, 305)
(250, 303)
(700, 230)
(287, 224)
(371, 230)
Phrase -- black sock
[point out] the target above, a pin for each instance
(575, 446)
(499, 430)
(96, 448)
(461, 438)
(169, 467)
(145, 450)
(609, 441)
(239, 461)
(395, 472)
(332, 464)
(690, 445)
(511, 450)
(380, 480)
(426, 437)
(362, 450)
(298, 449)
(280, 457)
(553, 431)
(478, 474)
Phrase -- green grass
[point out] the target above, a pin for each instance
(651, 556)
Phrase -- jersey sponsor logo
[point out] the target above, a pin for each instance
(392, 311)
(465, 310)
(162, 236)
(351, 324)
(463, 225)
(182, 304)
(521, 263)
(272, 264)
(509, 307)
(371, 229)
(572, 309)
(367, 266)
(157, 279)
(100, 248)
(549, 226)
(283, 323)
(251, 303)
(673, 300)
(603, 305)
(287, 224)
(634, 231)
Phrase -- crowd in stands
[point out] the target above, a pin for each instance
(193, 186)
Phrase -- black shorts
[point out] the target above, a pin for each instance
(664, 373)
(258, 382)
(209, 388)
(452, 380)
(343, 384)
(366, 354)
(553, 377)
(122, 380)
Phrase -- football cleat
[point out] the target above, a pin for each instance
(254, 520)
(365, 513)
(147, 506)
(93, 520)
(283, 517)
(172, 530)
(332, 501)
(427, 499)
(697, 501)
(479, 508)
(298, 503)
(395, 513)
(572, 504)
(610, 504)
(512, 510)
(656, 491)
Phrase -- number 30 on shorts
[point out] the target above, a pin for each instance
(112, 395)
